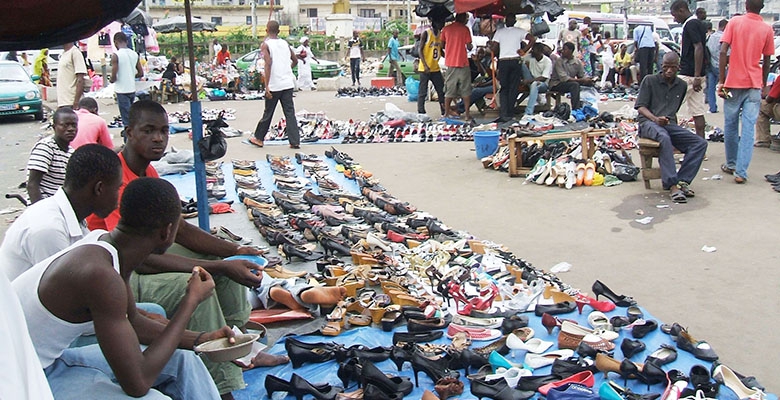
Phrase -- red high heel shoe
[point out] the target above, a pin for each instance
(456, 293)
(603, 306)
(485, 300)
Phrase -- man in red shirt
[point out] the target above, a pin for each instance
(748, 38)
(457, 80)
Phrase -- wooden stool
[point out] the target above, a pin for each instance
(648, 150)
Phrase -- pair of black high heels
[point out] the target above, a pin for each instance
(289, 251)
(650, 373)
(376, 384)
(302, 352)
(299, 387)
(600, 289)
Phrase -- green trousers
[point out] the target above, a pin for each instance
(229, 306)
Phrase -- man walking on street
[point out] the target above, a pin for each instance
(393, 57)
(428, 67)
(713, 45)
(693, 64)
(355, 52)
(508, 44)
(748, 38)
(70, 76)
(279, 86)
(456, 39)
(125, 67)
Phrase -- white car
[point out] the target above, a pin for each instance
(52, 60)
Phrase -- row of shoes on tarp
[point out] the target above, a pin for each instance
(360, 91)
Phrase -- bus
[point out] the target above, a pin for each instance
(616, 24)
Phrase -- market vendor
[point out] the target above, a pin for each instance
(173, 70)
(659, 100)
(223, 57)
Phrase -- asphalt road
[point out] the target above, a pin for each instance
(728, 297)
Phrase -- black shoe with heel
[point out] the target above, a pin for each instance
(302, 352)
(435, 369)
(301, 387)
(600, 289)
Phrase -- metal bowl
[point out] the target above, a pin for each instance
(220, 350)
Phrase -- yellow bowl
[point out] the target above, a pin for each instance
(220, 350)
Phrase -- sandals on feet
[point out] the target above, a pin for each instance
(678, 196)
(686, 189)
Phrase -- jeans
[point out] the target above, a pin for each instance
(509, 76)
(712, 80)
(83, 373)
(438, 84)
(739, 146)
(477, 94)
(124, 101)
(354, 67)
(571, 87)
(533, 91)
(288, 107)
(670, 137)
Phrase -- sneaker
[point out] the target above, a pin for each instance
(542, 99)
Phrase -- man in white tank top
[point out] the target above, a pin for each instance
(279, 86)
(61, 301)
(125, 67)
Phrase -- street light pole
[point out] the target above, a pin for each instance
(254, 19)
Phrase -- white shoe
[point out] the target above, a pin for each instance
(541, 360)
(534, 345)
(511, 375)
(542, 99)
(571, 176)
(730, 379)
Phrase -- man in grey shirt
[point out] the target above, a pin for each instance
(713, 45)
(660, 97)
(568, 75)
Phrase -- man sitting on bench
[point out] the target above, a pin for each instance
(536, 68)
(568, 75)
(660, 97)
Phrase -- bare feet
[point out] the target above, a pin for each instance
(255, 141)
(324, 295)
(428, 395)
(263, 359)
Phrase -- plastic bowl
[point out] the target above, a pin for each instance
(220, 350)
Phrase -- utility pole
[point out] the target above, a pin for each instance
(409, 13)
(254, 19)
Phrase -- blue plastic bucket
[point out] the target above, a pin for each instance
(486, 143)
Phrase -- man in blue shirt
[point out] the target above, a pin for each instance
(646, 50)
(393, 57)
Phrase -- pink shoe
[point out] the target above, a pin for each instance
(476, 334)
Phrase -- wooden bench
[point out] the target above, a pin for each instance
(587, 137)
(550, 95)
(648, 150)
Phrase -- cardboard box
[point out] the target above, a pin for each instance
(383, 82)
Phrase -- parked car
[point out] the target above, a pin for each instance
(52, 60)
(18, 94)
(323, 69)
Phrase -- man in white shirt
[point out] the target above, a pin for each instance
(646, 49)
(125, 67)
(92, 181)
(508, 43)
(70, 76)
(536, 72)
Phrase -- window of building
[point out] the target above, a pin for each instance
(366, 12)
(249, 20)
(216, 20)
(311, 13)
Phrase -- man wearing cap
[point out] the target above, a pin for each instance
(303, 52)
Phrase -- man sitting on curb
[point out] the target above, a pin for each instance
(61, 302)
(660, 97)
(162, 279)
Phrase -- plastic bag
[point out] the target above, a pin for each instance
(589, 95)
(412, 88)
(213, 146)
(625, 172)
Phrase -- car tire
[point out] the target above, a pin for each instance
(39, 115)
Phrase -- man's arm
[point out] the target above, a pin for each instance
(266, 68)
(423, 41)
(360, 46)
(114, 68)
(649, 115)
(136, 371)
(79, 90)
(34, 185)
(139, 71)
(293, 59)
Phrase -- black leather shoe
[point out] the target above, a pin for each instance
(631, 348)
(419, 337)
(532, 383)
(302, 352)
(664, 355)
(557, 308)
(498, 389)
(699, 348)
(513, 322)
(640, 331)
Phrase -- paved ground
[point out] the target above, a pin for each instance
(728, 297)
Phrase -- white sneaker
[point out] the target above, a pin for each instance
(542, 99)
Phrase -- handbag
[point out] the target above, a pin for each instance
(213, 146)
(539, 26)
